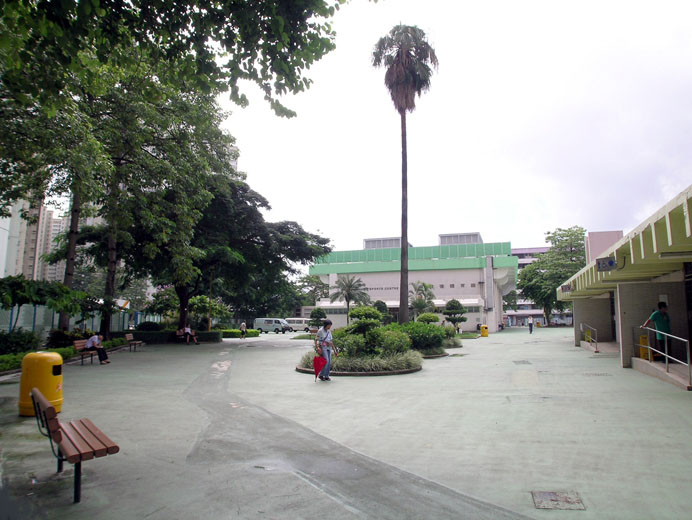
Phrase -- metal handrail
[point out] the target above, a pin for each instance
(666, 355)
(592, 337)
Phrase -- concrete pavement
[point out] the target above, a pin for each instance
(232, 431)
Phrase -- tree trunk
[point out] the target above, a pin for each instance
(109, 291)
(68, 280)
(403, 282)
(184, 298)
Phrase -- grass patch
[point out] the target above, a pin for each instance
(452, 343)
(436, 351)
(304, 336)
(468, 335)
(393, 363)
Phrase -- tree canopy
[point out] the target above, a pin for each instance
(350, 289)
(212, 45)
(539, 280)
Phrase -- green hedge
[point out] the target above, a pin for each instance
(14, 361)
(17, 341)
(213, 336)
(400, 361)
(235, 333)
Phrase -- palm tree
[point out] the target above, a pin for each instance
(407, 56)
(349, 289)
(421, 298)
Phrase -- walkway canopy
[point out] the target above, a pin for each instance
(658, 246)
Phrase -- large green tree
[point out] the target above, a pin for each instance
(350, 289)
(407, 58)
(211, 44)
(539, 280)
(243, 258)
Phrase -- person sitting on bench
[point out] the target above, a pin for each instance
(187, 330)
(94, 343)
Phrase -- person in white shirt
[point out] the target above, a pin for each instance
(94, 343)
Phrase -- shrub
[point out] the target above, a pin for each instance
(365, 313)
(362, 326)
(149, 326)
(19, 340)
(14, 361)
(428, 317)
(394, 341)
(352, 345)
(59, 338)
(317, 317)
(213, 336)
(399, 361)
(115, 342)
(424, 336)
(11, 361)
(154, 337)
(452, 343)
(450, 331)
(337, 337)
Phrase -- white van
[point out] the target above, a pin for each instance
(275, 324)
(299, 324)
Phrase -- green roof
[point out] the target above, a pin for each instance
(462, 256)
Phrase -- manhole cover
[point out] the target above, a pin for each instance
(597, 374)
(557, 500)
(522, 362)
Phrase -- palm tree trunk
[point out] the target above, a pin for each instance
(403, 283)
(68, 280)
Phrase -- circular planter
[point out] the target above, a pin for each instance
(435, 356)
(362, 374)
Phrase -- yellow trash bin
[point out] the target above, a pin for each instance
(484, 331)
(42, 370)
(643, 351)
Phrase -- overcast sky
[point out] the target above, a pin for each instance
(542, 114)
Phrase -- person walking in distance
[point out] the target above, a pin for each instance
(530, 324)
(243, 330)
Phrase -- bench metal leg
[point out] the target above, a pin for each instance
(60, 460)
(77, 482)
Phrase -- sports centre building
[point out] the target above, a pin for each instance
(616, 293)
(461, 267)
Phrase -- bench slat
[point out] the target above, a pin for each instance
(73, 438)
(111, 447)
(85, 435)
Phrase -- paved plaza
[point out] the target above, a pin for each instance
(231, 430)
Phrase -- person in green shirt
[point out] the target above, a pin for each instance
(661, 321)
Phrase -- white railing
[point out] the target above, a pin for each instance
(590, 335)
(669, 338)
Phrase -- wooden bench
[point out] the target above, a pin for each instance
(73, 442)
(79, 345)
(132, 342)
(180, 335)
